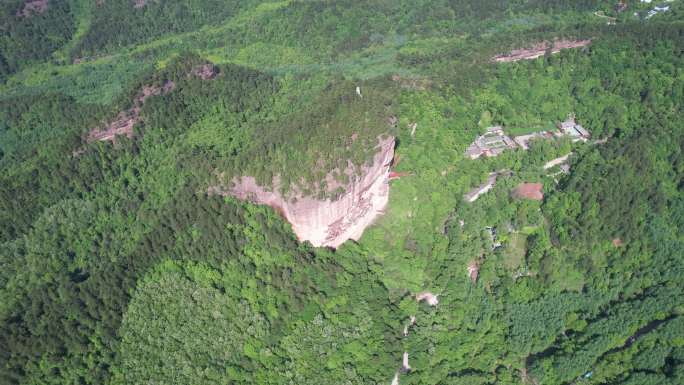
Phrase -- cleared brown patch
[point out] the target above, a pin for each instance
(396, 175)
(617, 242)
(122, 125)
(205, 71)
(473, 271)
(148, 91)
(32, 7)
(125, 120)
(539, 49)
(529, 191)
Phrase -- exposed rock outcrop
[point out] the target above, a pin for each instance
(539, 49)
(473, 271)
(206, 71)
(139, 3)
(125, 120)
(428, 297)
(32, 7)
(412, 321)
(328, 222)
(405, 363)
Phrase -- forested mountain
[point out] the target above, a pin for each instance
(128, 255)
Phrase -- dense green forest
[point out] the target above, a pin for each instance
(119, 266)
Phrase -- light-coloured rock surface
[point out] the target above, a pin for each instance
(139, 3)
(32, 7)
(206, 71)
(539, 49)
(327, 222)
(405, 362)
(473, 271)
(428, 297)
(412, 321)
(125, 120)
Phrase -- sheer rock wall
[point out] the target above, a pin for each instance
(327, 222)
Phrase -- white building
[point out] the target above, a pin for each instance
(573, 129)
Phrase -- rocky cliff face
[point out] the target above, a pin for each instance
(327, 222)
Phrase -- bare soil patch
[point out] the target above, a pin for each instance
(428, 297)
(205, 71)
(125, 120)
(529, 191)
(539, 49)
(139, 3)
(32, 7)
(122, 125)
(473, 271)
